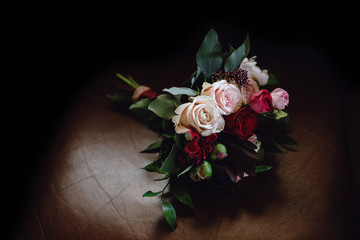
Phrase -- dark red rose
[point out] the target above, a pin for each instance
(242, 123)
(261, 101)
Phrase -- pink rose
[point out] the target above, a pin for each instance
(261, 101)
(201, 114)
(280, 98)
(227, 97)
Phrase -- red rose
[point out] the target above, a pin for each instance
(242, 123)
(261, 101)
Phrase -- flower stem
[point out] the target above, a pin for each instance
(162, 194)
(128, 80)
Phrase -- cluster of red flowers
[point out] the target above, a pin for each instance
(198, 148)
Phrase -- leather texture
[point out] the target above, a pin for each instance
(91, 184)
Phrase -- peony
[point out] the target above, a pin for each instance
(280, 98)
(226, 96)
(201, 114)
(247, 91)
(261, 101)
(242, 124)
(254, 71)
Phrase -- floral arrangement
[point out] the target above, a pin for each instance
(216, 127)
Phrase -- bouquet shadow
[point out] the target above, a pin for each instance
(251, 196)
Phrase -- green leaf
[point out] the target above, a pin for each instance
(163, 178)
(140, 106)
(152, 148)
(247, 45)
(181, 91)
(273, 80)
(235, 59)
(179, 139)
(185, 170)
(209, 55)
(150, 119)
(170, 214)
(231, 49)
(262, 168)
(181, 192)
(164, 106)
(151, 194)
(170, 161)
(153, 167)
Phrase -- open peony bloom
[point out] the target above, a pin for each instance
(280, 98)
(227, 97)
(254, 71)
(201, 114)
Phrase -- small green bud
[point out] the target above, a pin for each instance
(219, 152)
(201, 172)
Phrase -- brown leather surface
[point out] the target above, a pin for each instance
(91, 184)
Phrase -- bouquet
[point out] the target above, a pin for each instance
(216, 127)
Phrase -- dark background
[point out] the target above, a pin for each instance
(53, 54)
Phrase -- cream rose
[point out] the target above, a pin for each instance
(201, 114)
(227, 97)
(254, 71)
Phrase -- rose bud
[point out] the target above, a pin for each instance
(219, 152)
(280, 98)
(201, 172)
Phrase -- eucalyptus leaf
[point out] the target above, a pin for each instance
(170, 214)
(170, 161)
(209, 55)
(181, 91)
(181, 192)
(164, 106)
(235, 59)
(151, 194)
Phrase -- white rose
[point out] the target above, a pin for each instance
(254, 71)
(201, 114)
(227, 96)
